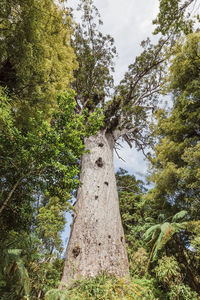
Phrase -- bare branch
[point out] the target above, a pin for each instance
(118, 155)
(121, 132)
(127, 140)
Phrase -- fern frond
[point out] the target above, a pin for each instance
(180, 215)
(14, 262)
(148, 234)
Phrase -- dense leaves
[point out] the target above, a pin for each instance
(105, 287)
(39, 170)
(40, 145)
(175, 163)
(36, 59)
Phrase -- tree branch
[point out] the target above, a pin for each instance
(118, 155)
(12, 191)
(117, 133)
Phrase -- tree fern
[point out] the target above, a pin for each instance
(159, 234)
(12, 264)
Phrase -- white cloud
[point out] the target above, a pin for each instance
(131, 160)
(129, 22)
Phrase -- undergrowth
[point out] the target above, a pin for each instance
(105, 288)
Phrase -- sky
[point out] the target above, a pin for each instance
(128, 22)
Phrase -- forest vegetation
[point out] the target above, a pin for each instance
(61, 118)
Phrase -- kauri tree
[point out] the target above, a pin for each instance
(97, 242)
(97, 239)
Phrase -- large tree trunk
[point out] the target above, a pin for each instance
(96, 242)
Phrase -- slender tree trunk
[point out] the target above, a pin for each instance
(97, 240)
(5, 203)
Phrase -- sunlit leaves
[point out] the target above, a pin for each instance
(37, 59)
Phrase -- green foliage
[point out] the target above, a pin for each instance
(40, 146)
(13, 267)
(184, 73)
(176, 161)
(94, 52)
(36, 60)
(51, 221)
(45, 271)
(175, 165)
(105, 287)
(132, 206)
(172, 17)
(169, 273)
(182, 292)
(95, 121)
(38, 172)
(31, 271)
(179, 215)
(138, 261)
(159, 234)
(47, 153)
(137, 93)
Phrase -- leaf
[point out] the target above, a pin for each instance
(151, 230)
(179, 215)
(157, 245)
(164, 227)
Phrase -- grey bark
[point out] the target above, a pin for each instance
(97, 241)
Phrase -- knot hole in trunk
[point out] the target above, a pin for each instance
(76, 251)
(99, 162)
(101, 145)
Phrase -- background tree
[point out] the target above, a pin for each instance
(175, 162)
(37, 60)
(38, 171)
(41, 142)
(134, 218)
